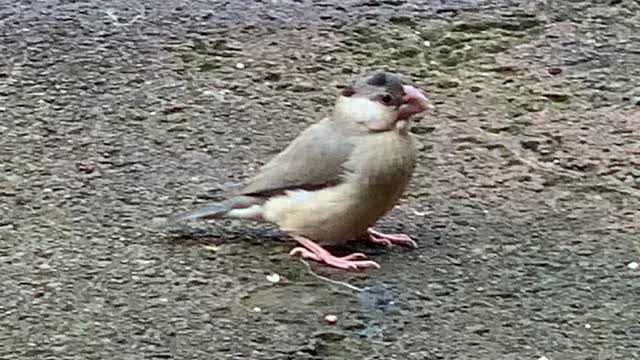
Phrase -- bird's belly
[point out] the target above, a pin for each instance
(329, 216)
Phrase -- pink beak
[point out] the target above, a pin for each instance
(415, 102)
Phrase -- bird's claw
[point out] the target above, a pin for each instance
(391, 239)
(315, 252)
(348, 262)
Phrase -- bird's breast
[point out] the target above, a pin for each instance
(382, 163)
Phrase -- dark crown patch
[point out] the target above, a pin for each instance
(378, 80)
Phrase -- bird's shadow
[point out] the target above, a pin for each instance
(260, 235)
(185, 235)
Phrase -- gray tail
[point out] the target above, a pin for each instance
(210, 211)
(214, 210)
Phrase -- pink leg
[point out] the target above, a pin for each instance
(315, 252)
(390, 239)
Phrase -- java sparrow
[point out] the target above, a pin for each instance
(339, 176)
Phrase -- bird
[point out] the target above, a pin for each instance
(333, 182)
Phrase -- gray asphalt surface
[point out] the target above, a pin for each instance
(526, 203)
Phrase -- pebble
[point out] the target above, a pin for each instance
(274, 278)
(54, 285)
(331, 319)
(448, 83)
(555, 71)
(633, 265)
(240, 66)
(212, 248)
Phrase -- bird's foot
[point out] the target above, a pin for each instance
(390, 239)
(315, 252)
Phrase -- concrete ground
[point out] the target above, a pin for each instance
(526, 201)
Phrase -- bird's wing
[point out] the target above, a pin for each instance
(313, 160)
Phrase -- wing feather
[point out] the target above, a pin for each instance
(314, 160)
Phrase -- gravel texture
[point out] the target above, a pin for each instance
(526, 202)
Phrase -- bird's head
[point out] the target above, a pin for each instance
(380, 102)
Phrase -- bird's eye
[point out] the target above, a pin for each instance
(386, 99)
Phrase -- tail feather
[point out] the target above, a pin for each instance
(209, 211)
(237, 207)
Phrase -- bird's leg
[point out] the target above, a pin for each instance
(390, 239)
(315, 252)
